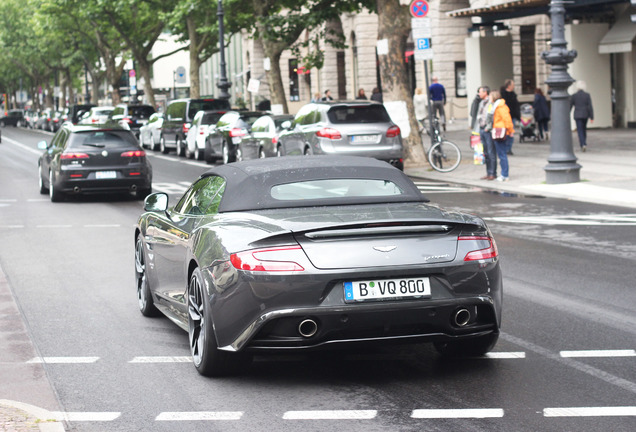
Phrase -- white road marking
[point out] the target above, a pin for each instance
(103, 226)
(457, 413)
(63, 360)
(330, 415)
(432, 187)
(202, 415)
(598, 219)
(505, 355)
(11, 226)
(31, 200)
(599, 353)
(168, 158)
(170, 188)
(85, 416)
(8, 200)
(27, 148)
(54, 226)
(161, 359)
(590, 411)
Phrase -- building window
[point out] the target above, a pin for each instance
(342, 77)
(528, 60)
(294, 90)
(460, 79)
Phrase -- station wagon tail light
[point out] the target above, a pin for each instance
(134, 153)
(73, 156)
(393, 132)
(480, 254)
(268, 260)
(329, 133)
(237, 132)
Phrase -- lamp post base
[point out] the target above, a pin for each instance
(562, 173)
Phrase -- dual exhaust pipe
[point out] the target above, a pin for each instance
(461, 317)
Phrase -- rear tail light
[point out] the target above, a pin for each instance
(237, 132)
(127, 120)
(268, 260)
(73, 155)
(275, 140)
(480, 254)
(134, 153)
(202, 130)
(392, 132)
(329, 133)
(76, 175)
(185, 128)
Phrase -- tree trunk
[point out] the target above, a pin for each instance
(274, 51)
(143, 69)
(394, 24)
(195, 61)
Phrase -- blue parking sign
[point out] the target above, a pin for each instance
(423, 43)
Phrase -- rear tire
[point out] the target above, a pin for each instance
(180, 147)
(467, 347)
(228, 155)
(198, 154)
(43, 189)
(53, 193)
(261, 153)
(207, 358)
(162, 145)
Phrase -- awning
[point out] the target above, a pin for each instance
(620, 37)
(512, 7)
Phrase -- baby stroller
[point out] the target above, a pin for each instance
(528, 125)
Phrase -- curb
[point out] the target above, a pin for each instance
(31, 416)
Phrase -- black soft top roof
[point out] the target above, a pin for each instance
(248, 183)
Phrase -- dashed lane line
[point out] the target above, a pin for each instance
(200, 415)
(161, 359)
(22, 146)
(331, 415)
(504, 355)
(616, 411)
(586, 220)
(63, 360)
(598, 353)
(457, 413)
(85, 416)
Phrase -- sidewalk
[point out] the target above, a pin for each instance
(608, 173)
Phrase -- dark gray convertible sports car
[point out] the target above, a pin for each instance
(302, 253)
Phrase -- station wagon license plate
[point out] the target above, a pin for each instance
(106, 175)
(364, 139)
(386, 289)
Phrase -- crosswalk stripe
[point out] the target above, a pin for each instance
(63, 360)
(599, 353)
(457, 413)
(200, 415)
(161, 359)
(590, 411)
(85, 416)
(330, 415)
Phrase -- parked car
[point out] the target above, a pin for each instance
(77, 111)
(263, 140)
(202, 124)
(178, 118)
(223, 142)
(357, 128)
(134, 116)
(12, 118)
(150, 133)
(93, 159)
(33, 119)
(28, 118)
(96, 115)
(44, 119)
(316, 252)
(56, 120)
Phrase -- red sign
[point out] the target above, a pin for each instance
(419, 8)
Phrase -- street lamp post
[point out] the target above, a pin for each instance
(223, 83)
(562, 166)
(87, 95)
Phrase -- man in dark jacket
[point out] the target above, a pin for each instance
(583, 110)
(509, 95)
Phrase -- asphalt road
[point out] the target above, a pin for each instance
(566, 359)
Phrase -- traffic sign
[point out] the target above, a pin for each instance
(423, 43)
(419, 8)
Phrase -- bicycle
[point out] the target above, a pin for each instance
(444, 155)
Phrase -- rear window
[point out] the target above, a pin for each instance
(211, 118)
(142, 112)
(358, 114)
(207, 105)
(334, 188)
(102, 139)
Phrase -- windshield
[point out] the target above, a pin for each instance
(358, 114)
(102, 139)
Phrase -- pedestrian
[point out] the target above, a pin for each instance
(316, 97)
(361, 94)
(485, 128)
(509, 95)
(327, 96)
(438, 96)
(420, 106)
(474, 110)
(501, 119)
(583, 110)
(541, 112)
(376, 95)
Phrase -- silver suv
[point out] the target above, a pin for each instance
(355, 128)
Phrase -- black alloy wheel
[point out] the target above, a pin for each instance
(53, 193)
(43, 189)
(207, 358)
(146, 303)
(261, 153)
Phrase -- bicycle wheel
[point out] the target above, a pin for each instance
(444, 156)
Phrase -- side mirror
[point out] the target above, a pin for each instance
(42, 145)
(286, 124)
(156, 202)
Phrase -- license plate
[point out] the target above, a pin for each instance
(364, 139)
(106, 174)
(386, 289)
